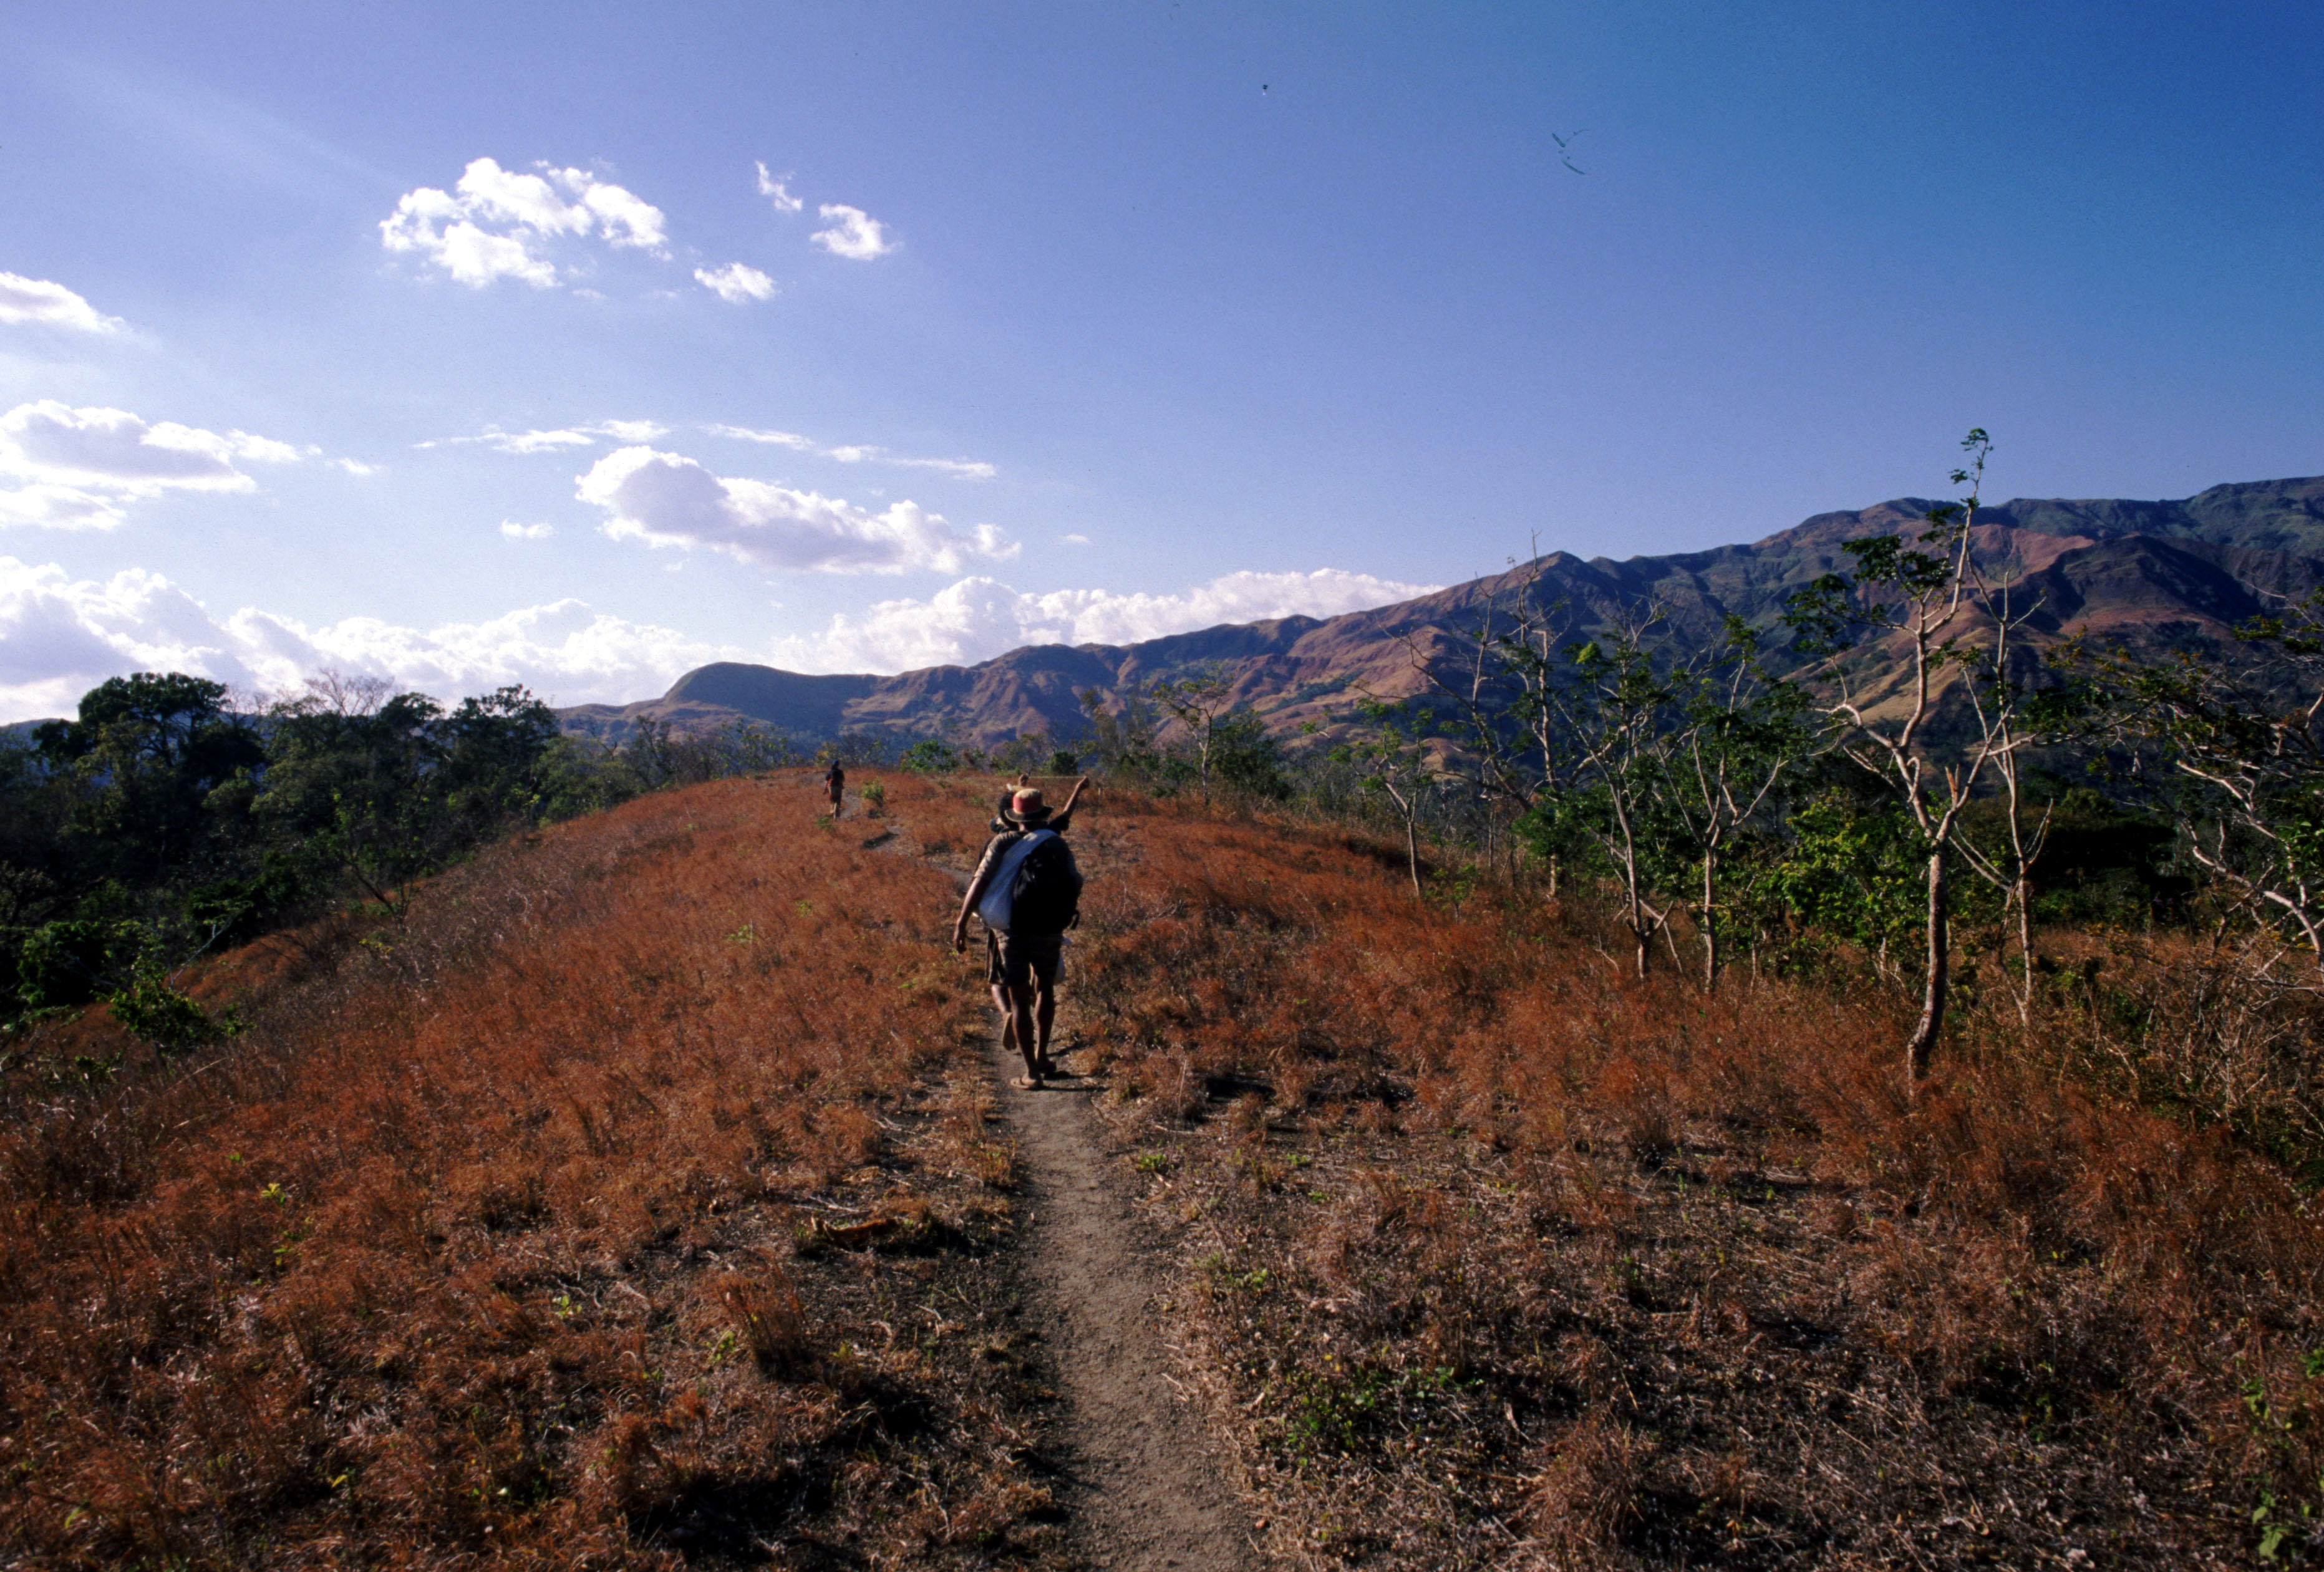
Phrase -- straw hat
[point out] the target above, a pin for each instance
(1026, 807)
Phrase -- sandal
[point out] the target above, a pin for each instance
(1026, 1083)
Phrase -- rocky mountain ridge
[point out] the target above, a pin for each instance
(2168, 572)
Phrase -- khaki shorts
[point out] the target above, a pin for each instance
(1016, 960)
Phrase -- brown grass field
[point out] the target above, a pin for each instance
(1499, 1257)
(534, 1232)
(636, 1202)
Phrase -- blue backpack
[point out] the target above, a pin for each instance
(1036, 890)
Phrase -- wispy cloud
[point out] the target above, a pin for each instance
(777, 191)
(516, 531)
(853, 232)
(556, 440)
(80, 466)
(50, 305)
(856, 452)
(977, 619)
(735, 283)
(665, 500)
(501, 223)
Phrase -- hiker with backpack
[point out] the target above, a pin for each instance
(835, 782)
(1060, 820)
(1029, 892)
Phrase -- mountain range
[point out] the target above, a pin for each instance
(2150, 573)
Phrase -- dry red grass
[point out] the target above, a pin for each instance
(1503, 1255)
(593, 1216)
(635, 1202)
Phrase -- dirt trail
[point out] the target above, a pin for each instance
(1145, 1486)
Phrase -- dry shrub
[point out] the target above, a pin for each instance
(769, 1317)
(1587, 1487)
(2231, 1031)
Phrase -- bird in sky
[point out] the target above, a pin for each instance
(1564, 143)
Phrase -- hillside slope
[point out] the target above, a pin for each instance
(568, 1221)
(639, 1200)
(2181, 571)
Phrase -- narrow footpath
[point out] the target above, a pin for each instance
(1142, 1482)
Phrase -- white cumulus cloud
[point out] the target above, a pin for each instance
(664, 498)
(516, 531)
(59, 636)
(59, 507)
(503, 224)
(735, 283)
(853, 232)
(979, 618)
(776, 192)
(77, 466)
(857, 453)
(24, 300)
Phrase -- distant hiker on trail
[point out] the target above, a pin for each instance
(1028, 893)
(835, 781)
(1060, 820)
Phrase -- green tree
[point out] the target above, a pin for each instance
(1121, 737)
(1933, 611)
(931, 756)
(1198, 702)
(2232, 749)
(1608, 712)
(1392, 759)
(356, 782)
(1739, 732)
(144, 756)
(1246, 759)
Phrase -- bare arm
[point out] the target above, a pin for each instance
(967, 905)
(970, 896)
(1072, 796)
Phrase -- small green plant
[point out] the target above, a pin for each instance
(875, 798)
(2273, 1529)
(1343, 1408)
(1153, 1163)
(151, 1009)
(1253, 1282)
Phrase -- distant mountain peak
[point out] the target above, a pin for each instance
(2194, 563)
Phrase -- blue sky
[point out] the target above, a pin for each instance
(576, 345)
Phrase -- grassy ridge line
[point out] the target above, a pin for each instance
(481, 1245)
(1499, 1257)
